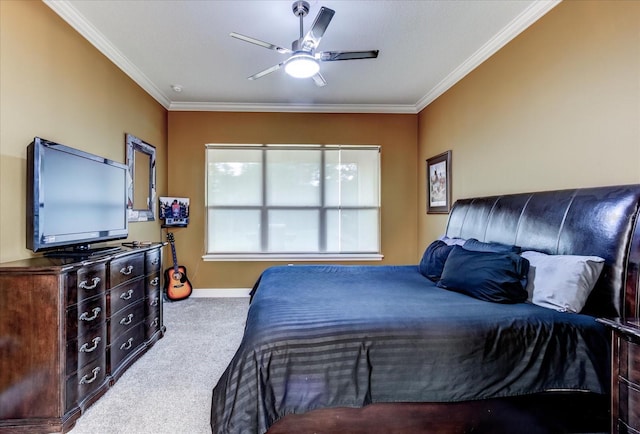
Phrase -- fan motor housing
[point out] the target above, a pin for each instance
(300, 8)
(298, 46)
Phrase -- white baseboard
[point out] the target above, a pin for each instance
(221, 292)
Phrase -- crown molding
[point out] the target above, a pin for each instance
(71, 15)
(519, 24)
(295, 108)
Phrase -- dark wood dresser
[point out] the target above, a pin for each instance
(625, 376)
(69, 328)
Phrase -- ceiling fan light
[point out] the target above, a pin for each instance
(302, 65)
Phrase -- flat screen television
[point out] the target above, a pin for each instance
(74, 199)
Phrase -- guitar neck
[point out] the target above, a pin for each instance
(175, 257)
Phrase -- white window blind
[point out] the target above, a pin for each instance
(292, 200)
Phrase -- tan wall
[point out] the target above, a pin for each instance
(190, 131)
(55, 85)
(558, 107)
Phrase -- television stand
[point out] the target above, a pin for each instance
(87, 252)
(69, 330)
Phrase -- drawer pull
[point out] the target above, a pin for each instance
(155, 261)
(95, 280)
(86, 379)
(126, 270)
(127, 319)
(126, 295)
(85, 347)
(154, 302)
(154, 281)
(155, 322)
(127, 345)
(85, 315)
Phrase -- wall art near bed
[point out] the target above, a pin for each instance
(439, 184)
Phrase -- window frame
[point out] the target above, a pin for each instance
(264, 208)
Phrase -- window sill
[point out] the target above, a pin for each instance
(293, 258)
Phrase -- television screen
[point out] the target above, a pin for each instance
(74, 198)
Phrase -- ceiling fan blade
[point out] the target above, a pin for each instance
(319, 80)
(313, 36)
(330, 56)
(261, 43)
(266, 71)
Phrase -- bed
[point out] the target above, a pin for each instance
(387, 348)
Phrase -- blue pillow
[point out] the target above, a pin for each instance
(489, 276)
(479, 246)
(433, 260)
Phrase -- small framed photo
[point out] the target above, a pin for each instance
(439, 184)
(174, 212)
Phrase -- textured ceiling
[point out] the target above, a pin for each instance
(425, 48)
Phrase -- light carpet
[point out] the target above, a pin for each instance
(168, 390)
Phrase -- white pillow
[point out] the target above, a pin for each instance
(561, 282)
(452, 241)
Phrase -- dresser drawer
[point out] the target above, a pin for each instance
(153, 299)
(125, 319)
(85, 316)
(152, 324)
(630, 361)
(126, 345)
(153, 285)
(125, 294)
(152, 304)
(629, 406)
(86, 282)
(152, 261)
(83, 382)
(86, 348)
(126, 268)
(629, 378)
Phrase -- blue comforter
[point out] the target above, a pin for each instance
(347, 336)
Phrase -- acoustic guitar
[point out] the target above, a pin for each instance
(176, 283)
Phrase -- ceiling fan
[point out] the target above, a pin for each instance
(304, 61)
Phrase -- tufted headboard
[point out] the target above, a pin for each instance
(600, 221)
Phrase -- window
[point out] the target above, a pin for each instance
(292, 201)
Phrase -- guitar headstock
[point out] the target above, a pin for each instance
(170, 237)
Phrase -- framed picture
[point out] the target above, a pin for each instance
(174, 211)
(439, 184)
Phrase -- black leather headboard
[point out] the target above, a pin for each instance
(599, 221)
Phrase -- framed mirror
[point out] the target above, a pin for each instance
(141, 180)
